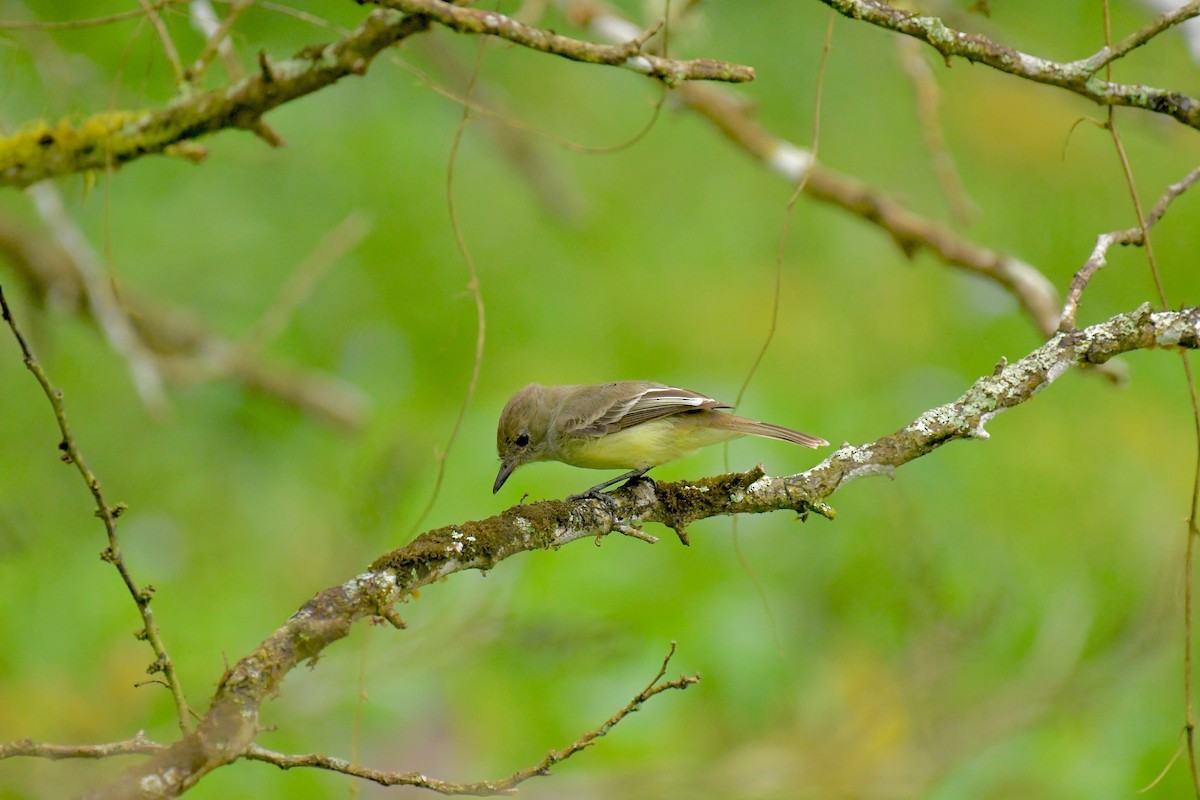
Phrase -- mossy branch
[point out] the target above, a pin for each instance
(107, 140)
(228, 730)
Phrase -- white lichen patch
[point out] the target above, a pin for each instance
(760, 487)
(934, 418)
(615, 30)
(790, 161)
(868, 470)
(859, 455)
(978, 432)
(1171, 328)
(1034, 65)
(639, 64)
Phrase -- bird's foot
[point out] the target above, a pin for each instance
(594, 493)
(636, 479)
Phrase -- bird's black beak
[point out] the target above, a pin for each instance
(506, 469)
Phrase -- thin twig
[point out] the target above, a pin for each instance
(336, 243)
(1105, 241)
(105, 307)
(1109, 53)
(925, 85)
(1189, 550)
(503, 786)
(773, 322)
(108, 514)
(164, 36)
(472, 287)
(216, 38)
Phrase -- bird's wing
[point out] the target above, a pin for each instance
(624, 405)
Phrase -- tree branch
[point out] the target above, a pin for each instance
(228, 730)
(1074, 76)
(110, 139)
(628, 54)
(138, 745)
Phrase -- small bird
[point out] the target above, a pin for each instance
(631, 425)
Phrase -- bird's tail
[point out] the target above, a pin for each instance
(749, 426)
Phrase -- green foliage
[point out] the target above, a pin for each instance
(1003, 619)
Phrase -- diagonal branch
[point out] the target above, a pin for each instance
(910, 231)
(628, 55)
(228, 730)
(1074, 76)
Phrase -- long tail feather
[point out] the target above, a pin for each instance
(743, 425)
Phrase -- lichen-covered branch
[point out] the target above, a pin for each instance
(1079, 77)
(111, 139)
(228, 729)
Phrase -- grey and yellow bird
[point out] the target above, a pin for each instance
(630, 425)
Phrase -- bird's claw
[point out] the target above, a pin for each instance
(595, 494)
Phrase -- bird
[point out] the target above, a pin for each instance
(630, 425)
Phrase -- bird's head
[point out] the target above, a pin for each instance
(521, 434)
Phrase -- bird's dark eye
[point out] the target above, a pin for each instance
(522, 439)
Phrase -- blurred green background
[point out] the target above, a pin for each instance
(1003, 619)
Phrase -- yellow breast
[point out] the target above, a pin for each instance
(646, 445)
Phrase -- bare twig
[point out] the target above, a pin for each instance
(1105, 242)
(105, 306)
(139, 745)
(1108, 54)
(503, 786)
(108, 514)
(472, 287)
(338, 241)
(232, 722)
(925, 85)
(216, 41)
(165, 37)
(1075, 76)
(1191, 528)
(629, 54)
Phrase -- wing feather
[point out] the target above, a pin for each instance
(635, 402)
